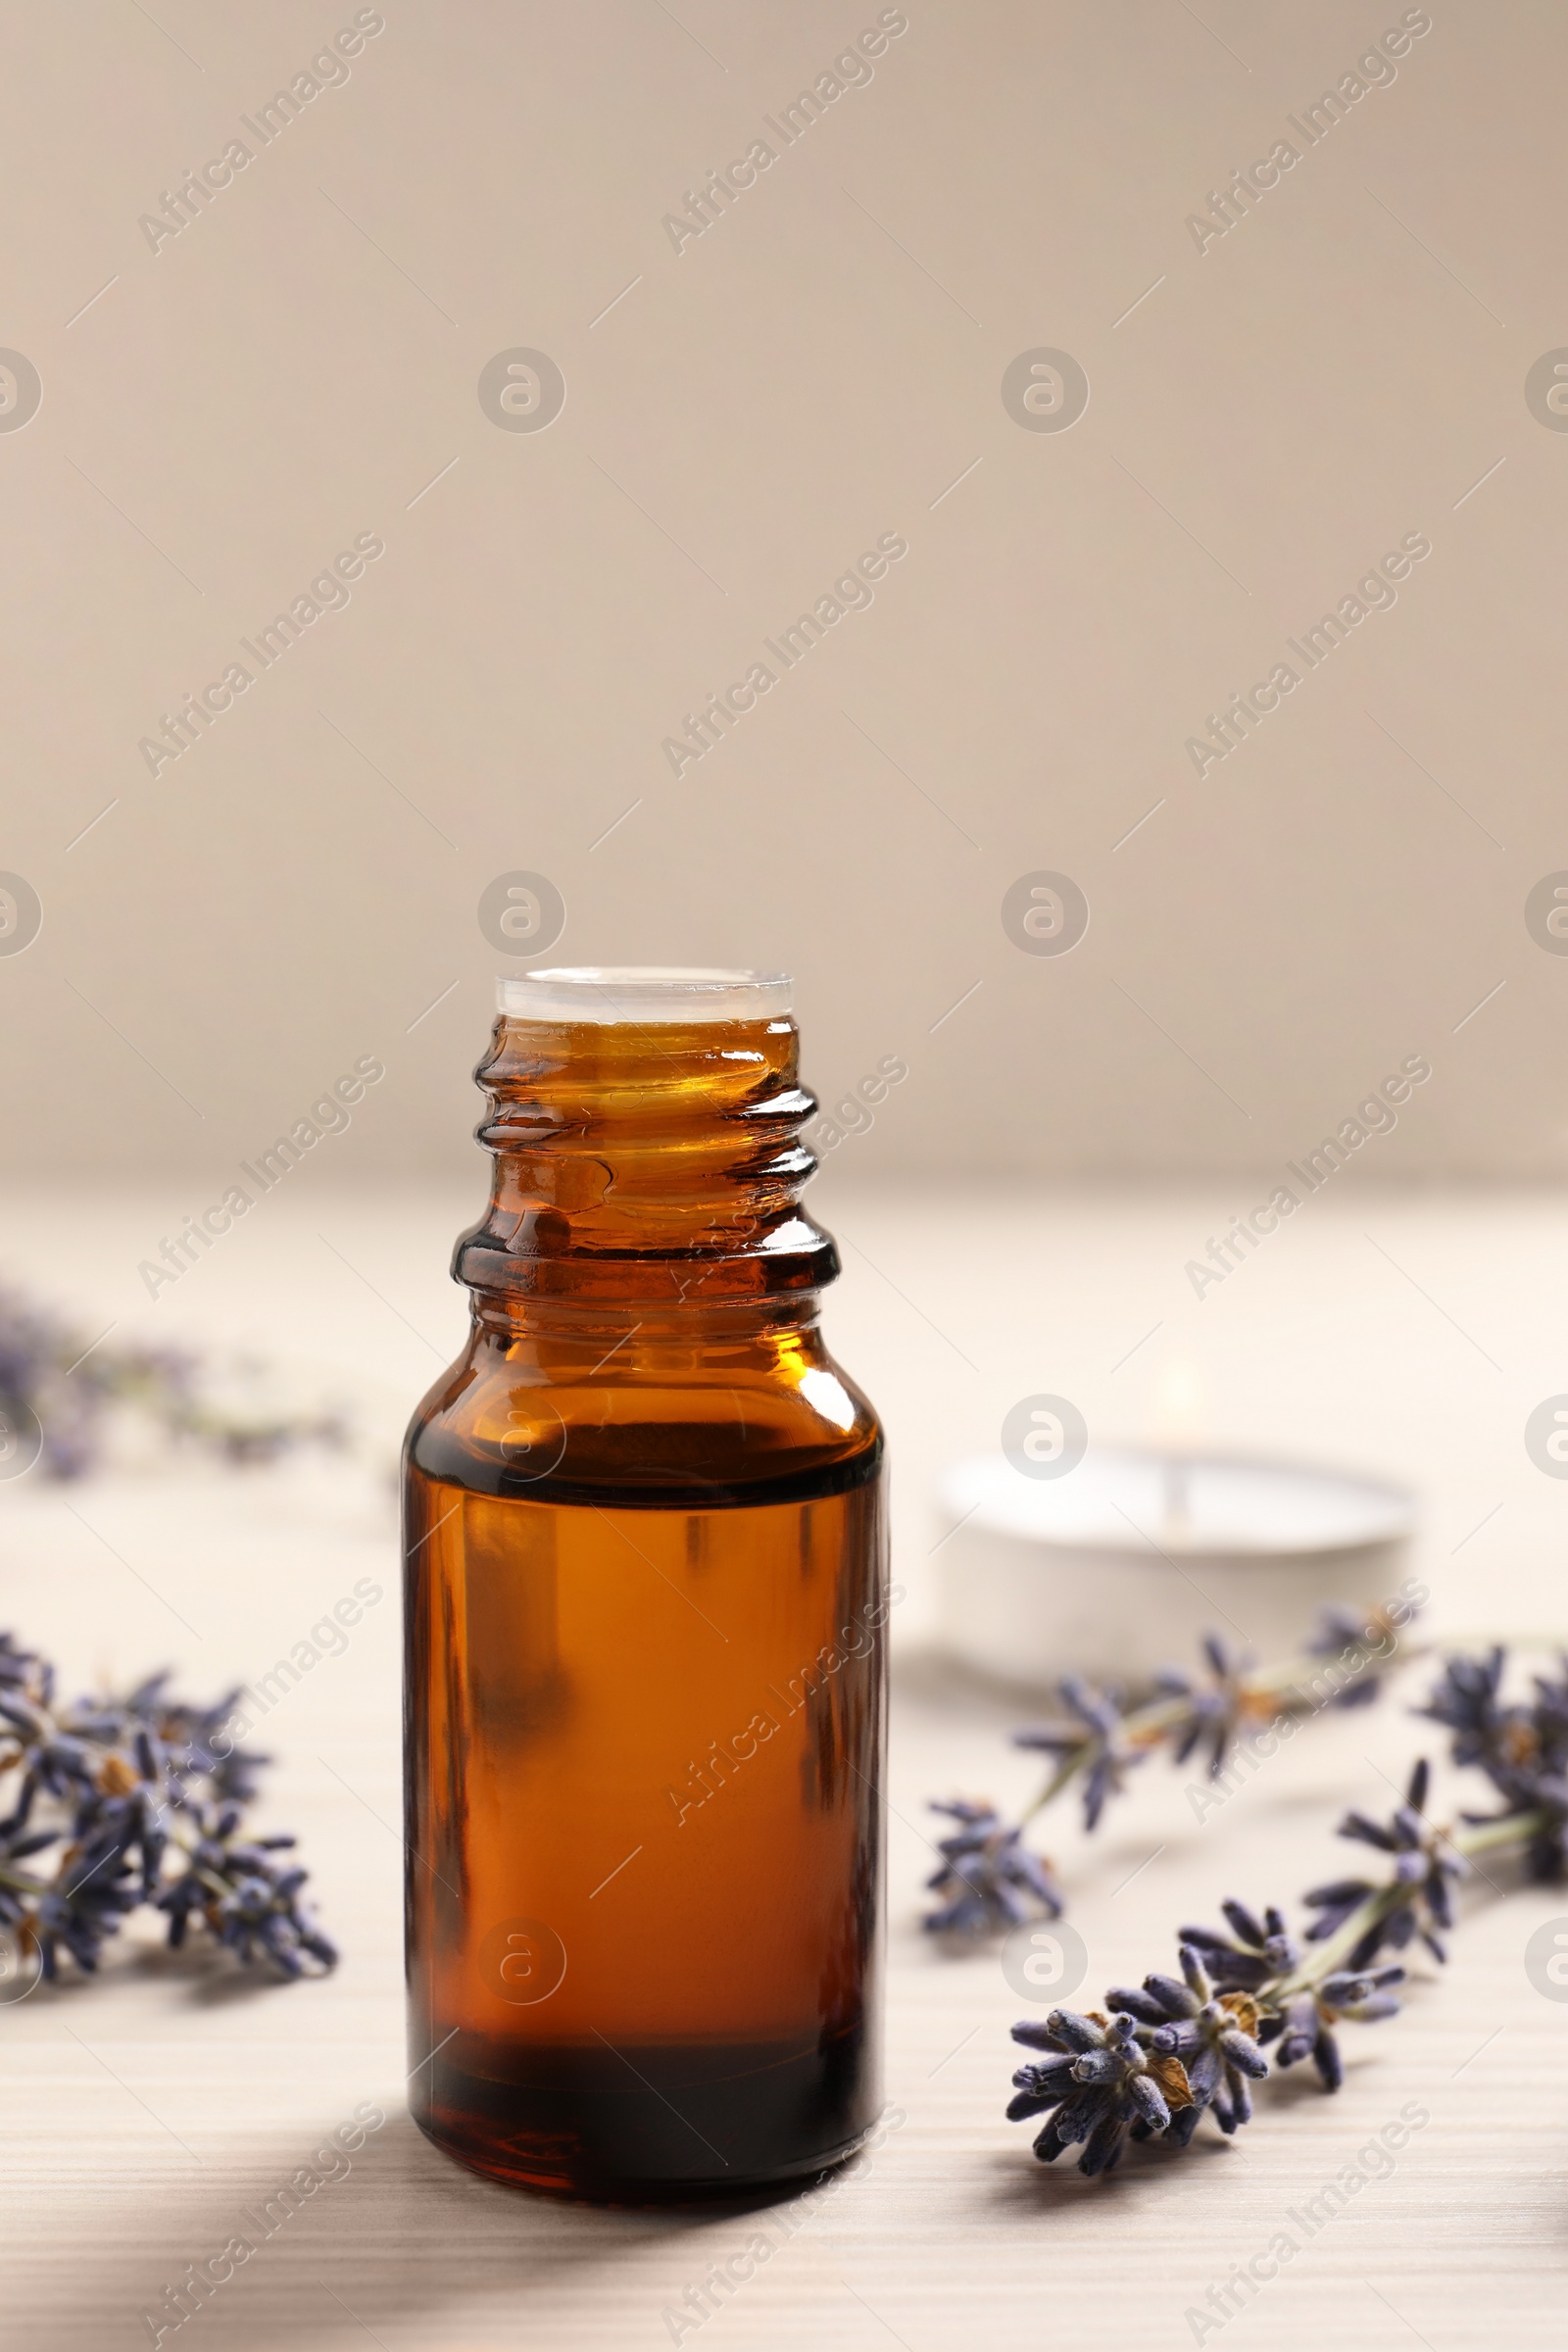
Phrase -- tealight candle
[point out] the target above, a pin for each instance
(1121, 1566)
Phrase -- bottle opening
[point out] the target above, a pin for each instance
(642, 993)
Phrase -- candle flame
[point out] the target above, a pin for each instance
(1178, 1413)
(1177, 1423)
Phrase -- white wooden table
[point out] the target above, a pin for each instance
(142, 2113)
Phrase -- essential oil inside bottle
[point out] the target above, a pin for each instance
(645, 1607)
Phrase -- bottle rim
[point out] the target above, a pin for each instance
(644, 993)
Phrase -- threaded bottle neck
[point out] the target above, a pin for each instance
(654, 1161)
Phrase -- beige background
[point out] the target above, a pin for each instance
(301, 362)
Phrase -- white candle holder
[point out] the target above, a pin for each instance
(1121, 1566)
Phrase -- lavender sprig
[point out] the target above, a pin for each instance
(140, 1809)
(988, 1880)
(1264, 1961)
(1257, 1988)
(988, 1872)
(1425, 1862)
(55, 1380)
(1522, 1748)
(1211, 1712)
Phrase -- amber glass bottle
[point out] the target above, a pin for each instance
(645, 1611)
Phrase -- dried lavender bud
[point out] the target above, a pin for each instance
(1215, 2038)
(1466, 1700)
(1424, 1863)
(251, 1903)
(988, 1879)
(1522, 1748)
(1095, 1744)
(1262, 1950)
(1104, 2083)
(1303, 2027)
(144, 1810)
(1341, 1629)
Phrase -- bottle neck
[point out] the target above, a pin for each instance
(645, 1172)
(568, 1340)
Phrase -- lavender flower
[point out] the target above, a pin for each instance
(1466, 1699)
(1522, 1748)
(1424, 1863)
(1341, 1629)
(1177, 2049)
(47, 1374)
(53, 1758)
(1103, 2083)
(1095, 1744)
(988, 1879)
(1213, 1712)
(1256, 1988)
(1264, 1961)
(250, 1902)
(124, 1787)
(20, 1887)
(90, 1896)
(1214, 2035)
(1306, 2022)
(1098, 1743)
(1260, 1952)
